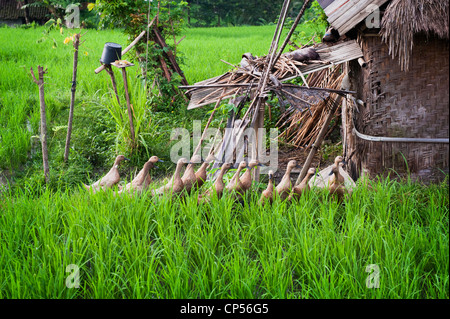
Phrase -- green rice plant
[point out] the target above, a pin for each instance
(140, 246)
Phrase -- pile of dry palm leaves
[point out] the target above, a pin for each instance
(301, 127)
(249, 73)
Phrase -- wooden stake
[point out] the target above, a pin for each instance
(319, 139)
(109, 70)
(291, 31)
(127, 96)
(76, 43)
(43, 137)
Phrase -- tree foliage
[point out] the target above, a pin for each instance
(237, 12)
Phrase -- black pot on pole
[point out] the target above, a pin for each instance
(111, 52)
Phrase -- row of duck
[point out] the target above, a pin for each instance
(237, 186)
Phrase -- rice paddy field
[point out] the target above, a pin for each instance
(389, 240)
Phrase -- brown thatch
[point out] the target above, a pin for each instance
(404, 18)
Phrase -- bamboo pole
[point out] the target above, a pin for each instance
(318, 140)
(76, 43)
(291, 31)
(109, 70)
(43, 137)
(127, 96)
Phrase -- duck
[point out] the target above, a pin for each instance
(154, 160)
(267, 194)
(303, 187)
(235, 182)
(218, 185)
(142, 179)
(200, 175)
(175, 185)
(337, 161)
(110, 179)
(246, 178)
(331, 35)
(337, 187)
(285, 185)
(138, 183)
(189, 177)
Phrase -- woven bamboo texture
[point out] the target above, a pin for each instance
(10, 10)
(403, 104)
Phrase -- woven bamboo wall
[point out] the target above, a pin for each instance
(11, 10)
(403, 104)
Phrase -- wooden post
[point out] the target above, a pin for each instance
(259, 124)
(318, 140)
(127, 96)
(113, 81)
(43, 137)
(76, 43)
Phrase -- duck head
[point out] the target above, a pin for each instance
(339, 159)
(226, 166)
(155, 159)
(292, 164)
(196, 159)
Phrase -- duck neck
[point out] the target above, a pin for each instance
(307, 178)
(236, 175)
(189, 171)
(247, 173)
(146, 169)
(176, 175)
(287, 175)
(221, 173)
(219, 179)
(116, 163)
(203, 167)
(336, 175)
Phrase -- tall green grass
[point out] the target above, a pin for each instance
(23, 49)
(143, 247)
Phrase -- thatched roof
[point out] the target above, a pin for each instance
(404, 18)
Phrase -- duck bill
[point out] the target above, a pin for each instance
(126, 159)
(160, 160)
(331, 173)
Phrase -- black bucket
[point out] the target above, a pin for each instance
(111, 52)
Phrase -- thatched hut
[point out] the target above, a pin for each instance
(399, 120)
(11, 12)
